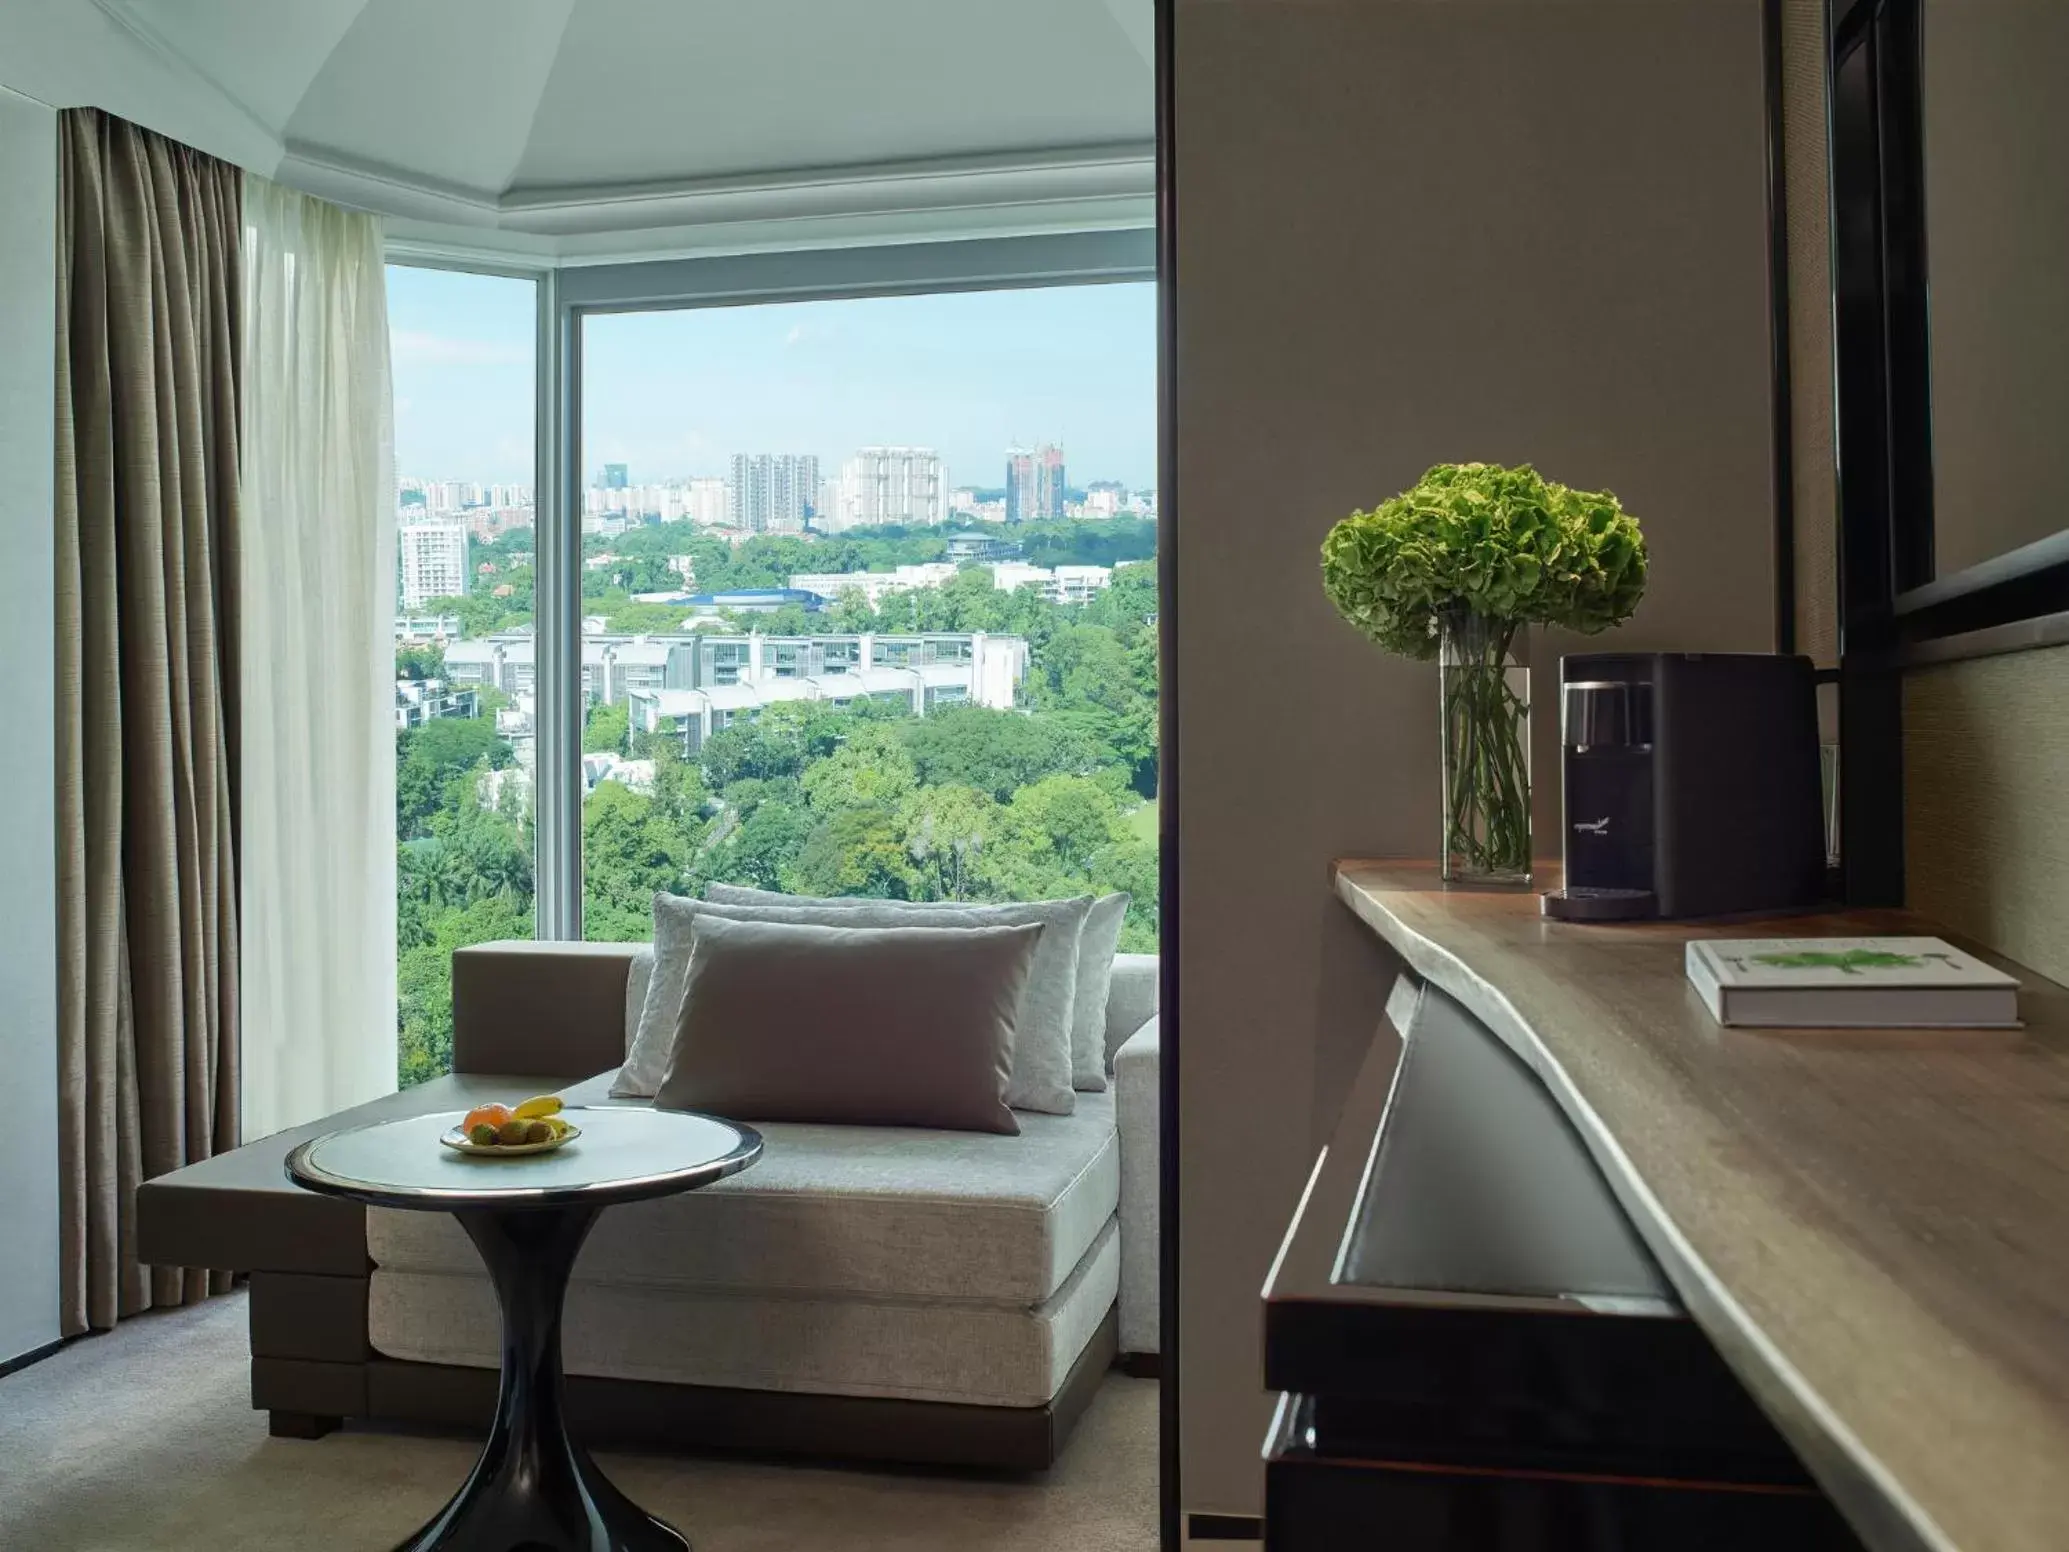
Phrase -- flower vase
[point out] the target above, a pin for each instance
(1484, 695)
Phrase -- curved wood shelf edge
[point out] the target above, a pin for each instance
(1630, 1056)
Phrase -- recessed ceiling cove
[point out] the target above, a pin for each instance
(591, 115)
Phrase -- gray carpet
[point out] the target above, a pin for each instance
(145, 1438)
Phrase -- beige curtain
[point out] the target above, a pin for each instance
(147, 417)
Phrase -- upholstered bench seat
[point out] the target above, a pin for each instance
(856, 1211)
(852, 1260)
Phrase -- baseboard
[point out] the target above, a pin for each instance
(1224, 1527)
(33, 1355)
(1141, 1366)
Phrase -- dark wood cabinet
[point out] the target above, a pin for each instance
(1474, 1351)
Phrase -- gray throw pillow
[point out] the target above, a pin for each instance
(857, 1026)
(1096, 948)
(1042, 1048)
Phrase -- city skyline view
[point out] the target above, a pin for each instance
(674, 395)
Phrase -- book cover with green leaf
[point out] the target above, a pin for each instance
(1849, 983)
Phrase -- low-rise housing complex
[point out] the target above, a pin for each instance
(920, 674)
(1058, 584)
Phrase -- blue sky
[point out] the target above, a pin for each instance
(677, 393)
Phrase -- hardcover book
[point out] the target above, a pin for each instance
(1849, 983)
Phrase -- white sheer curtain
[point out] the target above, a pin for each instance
(318, 653)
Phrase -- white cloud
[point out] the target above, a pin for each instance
(414, 347)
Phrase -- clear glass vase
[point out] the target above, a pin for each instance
(1484, 693)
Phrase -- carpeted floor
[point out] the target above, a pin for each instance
(145, 1438)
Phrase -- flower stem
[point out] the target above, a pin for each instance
(1486, 754)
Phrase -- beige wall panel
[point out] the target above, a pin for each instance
(1986, 808)
(1807, 206)
(1409, 233)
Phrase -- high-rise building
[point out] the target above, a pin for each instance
(615, 476)
(1048, 481)
(706, 503)
(891, 485)
(774, 492)
(434, 562)
(1020, 479)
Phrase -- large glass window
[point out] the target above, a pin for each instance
(869, 600)
(462, 347)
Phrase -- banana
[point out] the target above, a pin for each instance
(538, 1108)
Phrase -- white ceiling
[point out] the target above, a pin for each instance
(571, 125)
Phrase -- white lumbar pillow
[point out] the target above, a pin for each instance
(1096, 950)
(646, 1060)
(1097, 945)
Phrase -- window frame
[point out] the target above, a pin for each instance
(568, 296)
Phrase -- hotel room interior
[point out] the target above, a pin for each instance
(783, 583)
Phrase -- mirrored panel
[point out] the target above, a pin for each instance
(1995, 133)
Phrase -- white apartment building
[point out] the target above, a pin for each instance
(708, 503)
(612, 667)
(880, 485)
(921, 674)
(772, 492)
(705, 675)
(1058, 584)
(1102, 501)
(875, 586)
(434, 562)
(1077, 584)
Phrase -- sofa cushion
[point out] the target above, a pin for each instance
(1042, 1038)
(863, 1026)
(890, 1212)
(1100, 937)
(973, 1354)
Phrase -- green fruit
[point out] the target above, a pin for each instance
(538, 1131)
(513, 1131)
(482, 1135)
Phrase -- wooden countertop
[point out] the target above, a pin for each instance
(1871, 1226)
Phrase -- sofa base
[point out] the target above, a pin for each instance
(643, 1414)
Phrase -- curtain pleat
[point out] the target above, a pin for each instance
(147, 544)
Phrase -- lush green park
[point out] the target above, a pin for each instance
(968, 803)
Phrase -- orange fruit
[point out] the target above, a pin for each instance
(485, 1115)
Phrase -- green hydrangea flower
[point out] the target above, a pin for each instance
(1507, 544)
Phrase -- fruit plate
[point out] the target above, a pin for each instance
(456, 1140)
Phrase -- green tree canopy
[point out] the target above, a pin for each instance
(607, 728)
(856, 851)
(630, 852)
(994, 751)
(870, 770)
(430, 758)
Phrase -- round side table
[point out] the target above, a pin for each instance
(534, 1486)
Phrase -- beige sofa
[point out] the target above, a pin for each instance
(875, 1292)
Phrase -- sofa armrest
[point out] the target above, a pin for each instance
(1131, 998)
(1138, 1110)
(552, 1008)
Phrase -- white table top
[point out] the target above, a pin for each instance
(622, 1155)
